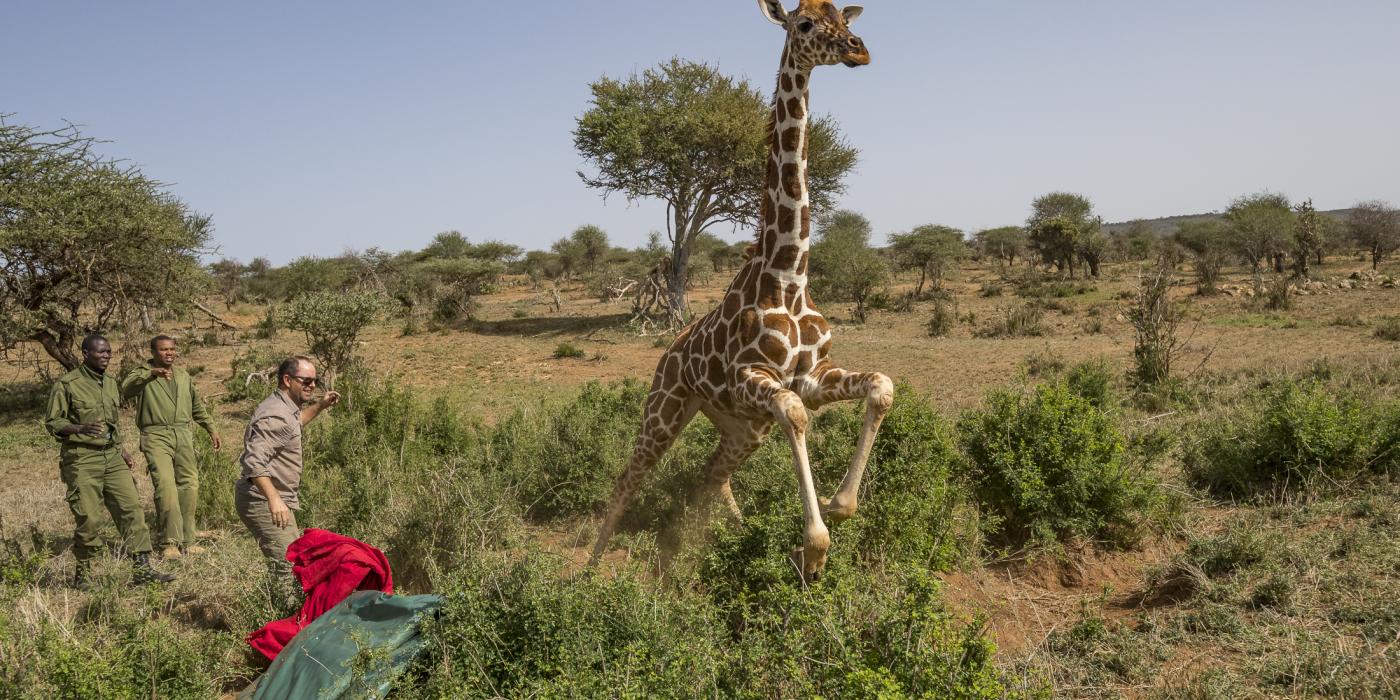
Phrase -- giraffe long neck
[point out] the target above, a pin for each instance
(787, 220)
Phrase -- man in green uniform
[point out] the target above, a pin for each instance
(166, 405)
(95, 466)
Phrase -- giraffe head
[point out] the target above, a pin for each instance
(818, 33)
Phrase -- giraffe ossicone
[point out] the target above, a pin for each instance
(760, 358)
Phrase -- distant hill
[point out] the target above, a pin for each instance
(1166, 225)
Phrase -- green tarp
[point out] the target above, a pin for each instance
(354, 650)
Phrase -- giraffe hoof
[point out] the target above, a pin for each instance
(834, 513)
(809, 567)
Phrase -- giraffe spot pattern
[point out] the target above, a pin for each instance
(773, 348)
(787, 218)
(792, 139)
(769, 292)
(792, 184)
(782, 325)
(795, 108)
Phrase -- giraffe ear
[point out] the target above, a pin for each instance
(773, 10)
(851, 12)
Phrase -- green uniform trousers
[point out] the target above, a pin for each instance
(98, 476)
(174, 472)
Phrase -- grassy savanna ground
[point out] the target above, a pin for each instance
(1288, 596)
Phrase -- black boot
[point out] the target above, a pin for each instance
(143, 575)
(80, 575)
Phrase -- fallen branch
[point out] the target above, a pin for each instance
(212, 315)
(264, 375)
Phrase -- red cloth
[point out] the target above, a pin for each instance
(330, 567)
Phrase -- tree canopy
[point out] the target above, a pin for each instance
(86, 242)
(1375, 227)
(1261, 225)
(930, 249)
(1006, 243)
(844, 267)
(694, 138)
(1062, 227)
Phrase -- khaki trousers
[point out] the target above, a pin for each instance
(272, 540)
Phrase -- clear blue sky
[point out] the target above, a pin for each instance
(313, 127)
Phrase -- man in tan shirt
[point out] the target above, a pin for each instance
(266, 492)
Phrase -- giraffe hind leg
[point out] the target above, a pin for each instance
(662, 421)
(738, 440)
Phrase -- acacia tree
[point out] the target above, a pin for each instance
(1006, 243)
(1062, 227)
(931, 250)
(844, 266)
(1208, 240)
(1374, 226)
(583, 250)
(1137, 242)
(228, 277)
(694, 138)
(85, 241)
(1260, 225)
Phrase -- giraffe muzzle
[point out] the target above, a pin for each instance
(856, 55)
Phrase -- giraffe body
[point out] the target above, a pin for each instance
(760, 358)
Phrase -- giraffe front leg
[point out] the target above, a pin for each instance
(836, 384)
(761, 390)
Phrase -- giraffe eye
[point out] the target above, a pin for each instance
(804, 26)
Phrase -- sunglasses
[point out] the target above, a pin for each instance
(305, 381)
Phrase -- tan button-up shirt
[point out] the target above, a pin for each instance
(272, 448)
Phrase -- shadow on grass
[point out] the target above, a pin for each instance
(554, 325)
(22, 402)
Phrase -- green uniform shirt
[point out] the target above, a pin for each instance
(84, 396)
(164, 402)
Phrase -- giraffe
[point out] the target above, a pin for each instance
(760, 357)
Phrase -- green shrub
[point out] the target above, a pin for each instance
(413, 478)
(1388, 328)
(563, 457)
(880, 300)
(1294, 437)
(1048, 466)
(332, 323)
(1092, 381)
(249, 376)
(991, 289)
(944, 318)
(1018, 323)
(1040, 289)
(567, 351)
(913, 508)
(524, 629)
(120, 651)
(1273, 294)
(20, 568)
(267, 327)
(1044, 363)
